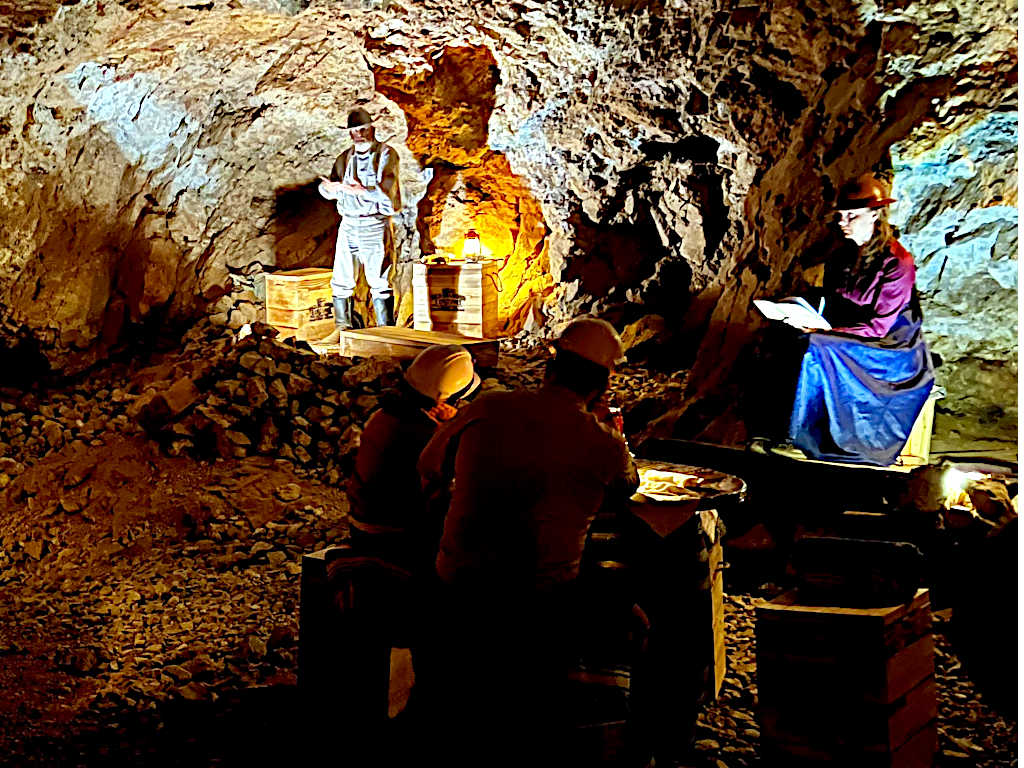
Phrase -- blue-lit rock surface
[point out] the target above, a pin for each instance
(957, 214)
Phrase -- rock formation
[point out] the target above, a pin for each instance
(628, 158)
(958, 213)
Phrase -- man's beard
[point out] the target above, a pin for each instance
(363, 146)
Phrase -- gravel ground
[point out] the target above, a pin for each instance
(149, 602)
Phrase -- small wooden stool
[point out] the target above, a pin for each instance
(846, 686)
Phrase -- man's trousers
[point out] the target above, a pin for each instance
(361, 240)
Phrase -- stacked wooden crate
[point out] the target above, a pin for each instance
(457, 297)
(299, 303)
(846, 686)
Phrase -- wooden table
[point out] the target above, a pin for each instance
(667, 559)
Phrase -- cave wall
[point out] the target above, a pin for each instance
(638, 156)
(957, 213)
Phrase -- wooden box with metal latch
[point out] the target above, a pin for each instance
(299, 303)
(457, 297)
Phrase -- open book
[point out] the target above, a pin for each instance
(794, 311)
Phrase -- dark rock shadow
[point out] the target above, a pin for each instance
(304, 227)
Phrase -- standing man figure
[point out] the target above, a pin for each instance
(364, 184)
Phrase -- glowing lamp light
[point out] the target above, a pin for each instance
(471, 246)
(955, 484)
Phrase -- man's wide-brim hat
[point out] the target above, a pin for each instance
(359, 117)
(864, 192)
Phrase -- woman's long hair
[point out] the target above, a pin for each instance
(869, 257)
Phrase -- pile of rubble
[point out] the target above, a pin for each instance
(261, 396)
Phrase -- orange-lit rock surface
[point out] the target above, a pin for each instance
(662, 158)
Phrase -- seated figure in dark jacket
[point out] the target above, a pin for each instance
(388, 509)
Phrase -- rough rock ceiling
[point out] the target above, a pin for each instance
(659, 157)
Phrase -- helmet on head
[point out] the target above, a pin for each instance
(359, 117)
(443, 372)
(864, 192)
(594, 340)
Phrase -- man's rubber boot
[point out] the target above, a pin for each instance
(342, 320)
(384, 309)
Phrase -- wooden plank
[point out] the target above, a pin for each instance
(916, 451)
(420, 337)
(298, 289)
(838, 725)
(919, 750)
(321, 310)
(405, 344)
(715, 557)
(810, 637)
(783, 677)
(790, 627)
(920, 707)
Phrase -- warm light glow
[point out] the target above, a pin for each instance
(955, 484)
(471, 245)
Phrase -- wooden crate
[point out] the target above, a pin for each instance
(406, 343)
(459, 297)
(299, 303)
(846, 686)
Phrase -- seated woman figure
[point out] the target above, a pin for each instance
(862, 385)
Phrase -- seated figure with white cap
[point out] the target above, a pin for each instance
(523, 475)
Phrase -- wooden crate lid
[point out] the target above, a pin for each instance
(789, 602)
(406, 343)
(412, 336)
(296, 275)
(457, 266)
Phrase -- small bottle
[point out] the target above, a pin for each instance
(615, 415)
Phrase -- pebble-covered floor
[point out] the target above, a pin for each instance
(149, 602)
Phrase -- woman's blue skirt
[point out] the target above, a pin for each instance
(857, 400)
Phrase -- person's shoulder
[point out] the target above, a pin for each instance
(341, 159)
(900, 253)
(497, 399)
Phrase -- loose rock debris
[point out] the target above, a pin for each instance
(152, 527)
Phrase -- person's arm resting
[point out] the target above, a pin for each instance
(626, 479)
(895, 289)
